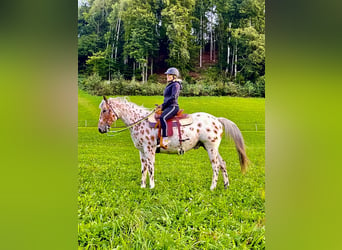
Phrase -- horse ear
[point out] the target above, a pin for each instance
(105, 98)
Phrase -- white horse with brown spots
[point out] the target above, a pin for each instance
(205, 130)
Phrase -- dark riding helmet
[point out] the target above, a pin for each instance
(172, 71)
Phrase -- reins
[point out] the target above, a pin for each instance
(131, 125)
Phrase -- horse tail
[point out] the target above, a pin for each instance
(234, 132)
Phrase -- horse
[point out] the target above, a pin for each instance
(205, 131)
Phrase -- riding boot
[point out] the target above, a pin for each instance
(163, 142)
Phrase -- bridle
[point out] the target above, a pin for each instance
(112, 109)
(130, 125)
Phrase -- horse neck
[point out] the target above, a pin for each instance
(129, 112)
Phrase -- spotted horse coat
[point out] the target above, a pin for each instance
(206, 130)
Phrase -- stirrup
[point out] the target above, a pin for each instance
(161, 144)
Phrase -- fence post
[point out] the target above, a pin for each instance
(256, 127)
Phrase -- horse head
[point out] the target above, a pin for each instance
(107, 116)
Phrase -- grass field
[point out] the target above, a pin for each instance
(180, 212)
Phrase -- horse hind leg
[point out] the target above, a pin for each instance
(215, 163)
(224, 171)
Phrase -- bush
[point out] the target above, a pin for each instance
(260, 86)
(131, 88)
(92, 84)
(214, 74)
(232, 89)
(206, 87)
(209, 88)
(103, 88)
(191, 89)
(249, 89)
(153, 78)
(117, 86)
(80, 81)
(152, 89)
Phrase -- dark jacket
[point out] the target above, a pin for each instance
(171, 94)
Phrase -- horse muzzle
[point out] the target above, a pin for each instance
(104, 129)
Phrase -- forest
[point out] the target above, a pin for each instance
(125, 46)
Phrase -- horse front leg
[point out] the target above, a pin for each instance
(147, 159)
(144, 167)
(151, 160)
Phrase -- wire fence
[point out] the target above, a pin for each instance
(244, 127)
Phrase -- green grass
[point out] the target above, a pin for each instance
(180, 212)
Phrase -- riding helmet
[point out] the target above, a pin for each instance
(172, 71)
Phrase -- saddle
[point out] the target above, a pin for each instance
(178, 120)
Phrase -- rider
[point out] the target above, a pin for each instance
(170, 105)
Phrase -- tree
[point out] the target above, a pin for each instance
(140, 35)
(114, 36)
(98, 63)
(177, 22)
(241, 24)
(86, 48)
(251, 46)
(137, 38)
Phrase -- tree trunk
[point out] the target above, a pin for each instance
(232, 64)
(110, 31)
(201, 57)
(152, 66)
(117, 36)
(109, 70)
(146, 68)
(228, 55)
(201, 40)
(211, 35)
(236, 53)
(211, 42)
(112, 55)
(214, 49)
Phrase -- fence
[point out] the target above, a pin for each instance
(244, 127)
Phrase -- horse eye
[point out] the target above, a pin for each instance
(104, 111)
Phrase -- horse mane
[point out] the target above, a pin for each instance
(125, 100)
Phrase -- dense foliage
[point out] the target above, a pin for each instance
(136, 39)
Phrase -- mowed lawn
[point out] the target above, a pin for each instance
(180, 212)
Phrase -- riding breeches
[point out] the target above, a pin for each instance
(167, 114)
